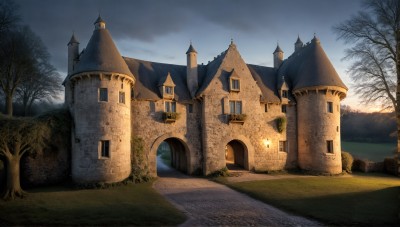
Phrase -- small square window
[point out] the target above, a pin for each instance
(190, 108)
(329, 107)
(169, 90)
(329, 146)
(235, 107)
(103, 95)
(284, 108)
(122, 97)
(235, 84)
(170, 106)
(105, 148)
(282, 146)
(284, 93)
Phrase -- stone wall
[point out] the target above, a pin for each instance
(148, 124)
(315, 127)
(96, 120)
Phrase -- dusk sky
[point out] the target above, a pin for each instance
(161, 31)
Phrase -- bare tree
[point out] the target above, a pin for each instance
(375, 35)
(8, 15)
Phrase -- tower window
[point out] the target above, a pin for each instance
(329, 146)
(103, 95)
(170, 106)
(235, 107)
(235, 84)
(266, 108)
(105, 148)
(282, 146)
(169, 90)
(284, 108)
(329, 107)
(122, 97)
(284, 93)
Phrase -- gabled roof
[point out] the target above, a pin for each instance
(310, 67)
(102, 55)
(266, 81)
(149, 75)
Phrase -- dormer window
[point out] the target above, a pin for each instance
(169, 90)
(235, 84)
(284, 94)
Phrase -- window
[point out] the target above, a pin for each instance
(190, 108)
(105, 148)
(122, 85)
(169, 90)
(329, 146)
(284, 108)
(282, 146)
(152, 107)
(170, 106)
(329, 107)
(235, 107)
(266, 108)
(122, 97)
(235, 84)
(103, 95)
(284, 94)
(132, 93)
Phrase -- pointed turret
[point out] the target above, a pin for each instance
(278, 56)
(191, 70)
(73, 52)
(298, 45)
(100, 23)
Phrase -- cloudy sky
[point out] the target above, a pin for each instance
(161, 30)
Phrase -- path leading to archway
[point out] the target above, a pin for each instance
(207, 203)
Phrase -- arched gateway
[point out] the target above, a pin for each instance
(236, 155)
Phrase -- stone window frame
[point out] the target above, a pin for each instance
(329, 107)
(283, 146)
(235, 106)
(103, 97)
(329, 147)
(121, 97)
(170, 106)
(285, 94)
(169, 90)
(232, 84)
(104, 149)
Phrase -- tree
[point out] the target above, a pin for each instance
(8, 15)
(375, 35)
(19, 136)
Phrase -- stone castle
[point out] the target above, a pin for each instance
(226, 112)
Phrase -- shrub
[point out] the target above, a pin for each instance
(223, 172)
(347, 161)
(140, 169)
(237, 117)
(281, 124)
(367, 166)
(390, 165)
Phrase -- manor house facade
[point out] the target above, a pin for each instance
(226, 112)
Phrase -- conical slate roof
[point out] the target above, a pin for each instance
(278, 49)
(102, 55)
(73, 39)
(191, 49)
(310, 67)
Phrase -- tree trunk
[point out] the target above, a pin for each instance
(13, 186)
(9, 105)
(397, 107)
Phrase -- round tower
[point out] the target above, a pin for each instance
(318, 90)
(101, 110)
(191, 70)
(278, 57)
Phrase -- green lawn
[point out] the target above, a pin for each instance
(137, 204)
(372, 151)
(364, 200)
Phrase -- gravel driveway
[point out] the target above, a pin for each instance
(207, 203)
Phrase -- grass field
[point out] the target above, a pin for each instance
(362, 200)
(137, 204)
(372, 151)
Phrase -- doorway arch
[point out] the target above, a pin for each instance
(173, 152)
(236, 155)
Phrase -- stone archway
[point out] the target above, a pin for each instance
(236, 155)
(173, 152)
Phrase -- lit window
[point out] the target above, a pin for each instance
(284, 108)
(235, 107)
(284, 93)
(329, 107)
(122, 97)
(105, 148)
(282, 146)
(329, 146)
(170, 106)
(169, 90)
(103, 95)
(235, 84)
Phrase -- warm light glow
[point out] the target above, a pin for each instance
(267, 142)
